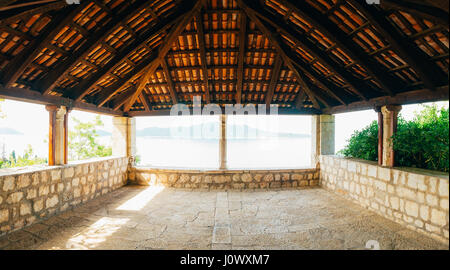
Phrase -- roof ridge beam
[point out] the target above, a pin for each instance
(202, 48)
(336, 35)
(274, 80)
(20, 62)
(49, 82)
(276, 42)
(168, 41)
(320, 55)
(241, 57)
(431, 75)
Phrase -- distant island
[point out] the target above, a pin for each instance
(9, 131)
(240, 131)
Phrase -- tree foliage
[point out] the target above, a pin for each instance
(421, 143)
(27, 159)
(83, 141)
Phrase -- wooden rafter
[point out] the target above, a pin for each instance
(165, 47)
(434, 14)
(16, 67)
(388, 83)
(355, 84)
(431, 75)
(32, 10)
(83, 89)
(241, 57)
(273, 80)
(322, 83)
(25, 95)
(122, 98)
(275, 40)
(143, 97)
(202, 50)
(411, 97)
(172, 90)
(48, 83)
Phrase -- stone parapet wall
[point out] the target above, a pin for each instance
(415, 198)
(229, 179)
(37, 193)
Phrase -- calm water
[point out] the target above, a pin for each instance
(242, 153)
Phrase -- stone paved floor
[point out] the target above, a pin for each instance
(154, 218)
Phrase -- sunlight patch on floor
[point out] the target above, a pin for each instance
(139, 201)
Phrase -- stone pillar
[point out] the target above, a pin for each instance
(380, 135)
(327, 136)
(223, 142)
(323, 137)
(315, 141)
(390, 119)
(57, 135)
(124, 137)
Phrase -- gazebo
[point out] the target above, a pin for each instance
(143, 58)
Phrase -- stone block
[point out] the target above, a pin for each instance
(443, 188)
(14, 197)
(412, 209)
(438, 217)
(9, 183)
(4, 215)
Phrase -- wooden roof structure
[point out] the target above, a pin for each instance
(139, 57)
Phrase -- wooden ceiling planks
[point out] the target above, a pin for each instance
(321, 55)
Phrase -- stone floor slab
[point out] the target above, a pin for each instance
(146, 218)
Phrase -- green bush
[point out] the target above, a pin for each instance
(421, 143)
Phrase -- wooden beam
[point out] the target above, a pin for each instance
(281, 111)
(276, 42)
(145, 102)
(431, 75)
(241, 57)
(49, 82)
(51, 134)
(380, 135)
(202, 48)
(66, 137)
(79, 92)
(16, 67)
(168, 41)
(321, 83)
(410, 97)
(172, 90)
(434, 14)
(388, 82)
(356, 84)
(25, 95)
(273, 80)
(123, 97)
(32, 10)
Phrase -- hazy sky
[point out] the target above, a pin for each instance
(32, 121)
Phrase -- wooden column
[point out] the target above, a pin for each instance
(51, 133)
(66, 136)
(223, 142)
(390, 120)
(57, 149)
(380, 135)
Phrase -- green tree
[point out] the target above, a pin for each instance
(2, 115)
(422, 142)
(83, 140)
(363, 144)
(27, 159)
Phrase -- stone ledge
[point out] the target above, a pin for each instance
(226, 179)
(44, 167)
